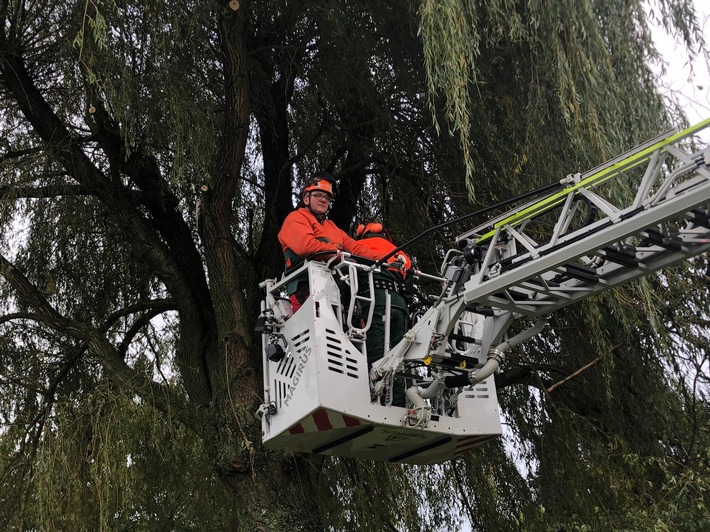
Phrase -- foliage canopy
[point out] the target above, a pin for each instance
(149, 152)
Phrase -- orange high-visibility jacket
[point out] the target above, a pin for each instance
(382, 246)
(302, 235)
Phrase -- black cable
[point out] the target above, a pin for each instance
(547, 188)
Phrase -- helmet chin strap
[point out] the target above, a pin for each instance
(319, 217)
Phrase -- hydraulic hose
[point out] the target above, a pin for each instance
(496, 356)
(525, 335)
(419, 415)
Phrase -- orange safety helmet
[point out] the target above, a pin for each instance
(321, 182)
(371, 229)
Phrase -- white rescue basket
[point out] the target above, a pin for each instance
(317, 391)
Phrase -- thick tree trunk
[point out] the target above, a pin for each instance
(269, 496)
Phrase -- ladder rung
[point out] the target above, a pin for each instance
(625, 257)
(579, 272)
(514, 295)
(551, 283)
(671, 243)
(700, 218)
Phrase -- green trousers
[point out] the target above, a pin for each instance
(376, 334)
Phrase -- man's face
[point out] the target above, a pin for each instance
(318, 202)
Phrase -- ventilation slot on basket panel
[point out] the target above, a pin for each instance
(340, 358)
(287, 367)
(284, 375)
(300, 339)
(479, 391)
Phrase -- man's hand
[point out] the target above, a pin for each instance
(400, 262)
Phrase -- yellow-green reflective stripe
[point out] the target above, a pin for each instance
(594, 179)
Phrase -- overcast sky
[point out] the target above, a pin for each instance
(690, 80)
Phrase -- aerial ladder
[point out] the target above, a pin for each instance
(642, 211)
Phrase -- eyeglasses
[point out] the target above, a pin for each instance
(321, 196)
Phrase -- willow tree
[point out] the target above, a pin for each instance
(150, 152)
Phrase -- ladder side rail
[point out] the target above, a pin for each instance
(556, 199)
(520, 214)
(655, 259)
(589, 244)
(489, 226)
(683, 188)
(618, 275)
(656, 141)
(631, 160)
(599, 239)
(645, 152)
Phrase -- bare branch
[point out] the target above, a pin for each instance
(19, 316)
(140, 323)
(31, 296)
(10, 155)
(573, 375)
(45, 192)
(155, 306)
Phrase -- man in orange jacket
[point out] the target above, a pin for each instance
(307, 231)
(388, 280)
